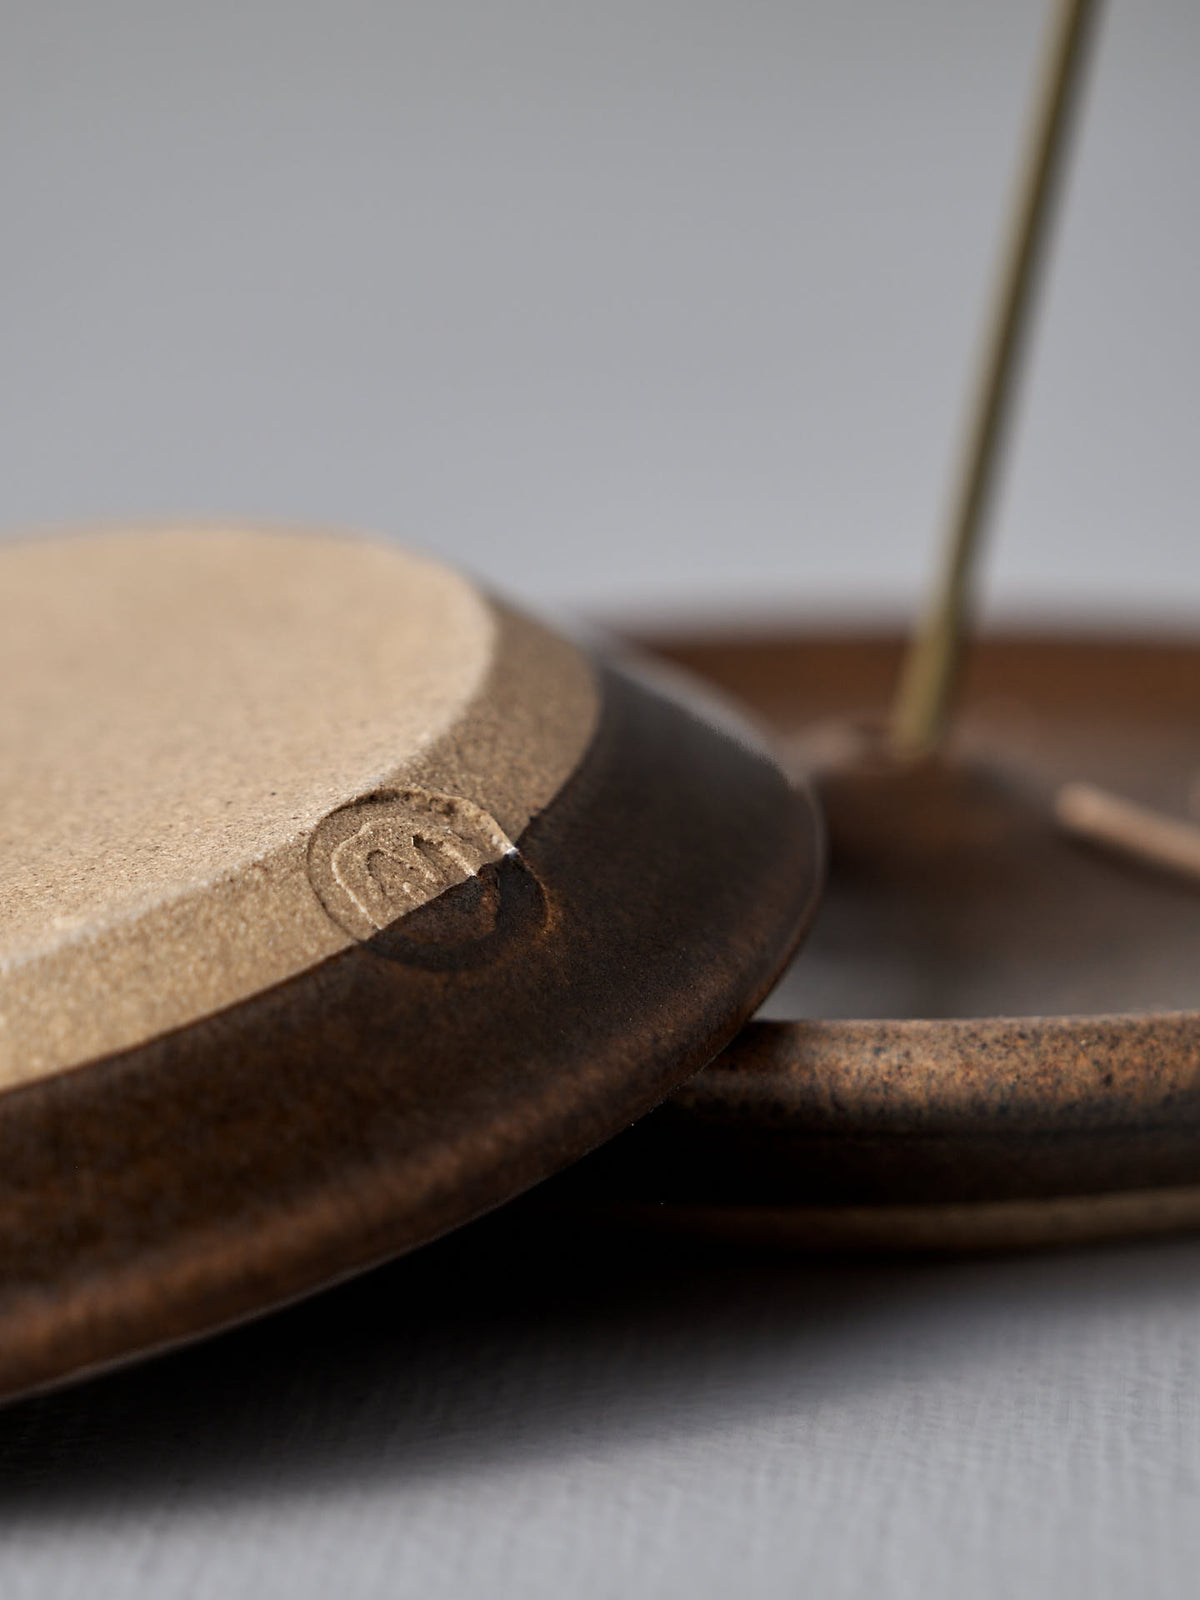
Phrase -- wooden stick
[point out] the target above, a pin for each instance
(1148, 836)
(929, 677)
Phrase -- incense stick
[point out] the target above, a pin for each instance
(930, 673)
(1148, 836)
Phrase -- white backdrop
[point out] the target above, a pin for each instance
(654, 304)
(649, 308)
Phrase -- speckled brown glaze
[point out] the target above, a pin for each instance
(1025, 1061)
(419, 1077)
(920, 1112)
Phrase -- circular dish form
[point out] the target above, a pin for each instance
(339, 902)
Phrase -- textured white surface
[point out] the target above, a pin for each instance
(504, 1419)
(643, 303)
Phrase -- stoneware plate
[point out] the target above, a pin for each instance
(1002, 1034)
(338, 903)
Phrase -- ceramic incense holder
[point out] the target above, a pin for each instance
(338, 904)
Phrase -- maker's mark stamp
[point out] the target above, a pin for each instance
(373, 862)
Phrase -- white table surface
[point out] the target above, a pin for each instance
(648, 308)
(524, 1418)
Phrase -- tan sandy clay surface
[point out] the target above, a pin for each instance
(184, 706)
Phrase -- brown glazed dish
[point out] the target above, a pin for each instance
(1002, 1040)
(397, 1080)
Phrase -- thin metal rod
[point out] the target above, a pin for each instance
(930, 673)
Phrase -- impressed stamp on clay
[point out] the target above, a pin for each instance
(373, 862)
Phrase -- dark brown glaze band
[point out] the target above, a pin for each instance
(407, 1085)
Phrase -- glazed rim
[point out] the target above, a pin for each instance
(403, 1086)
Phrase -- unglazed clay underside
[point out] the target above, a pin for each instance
(192, 713)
